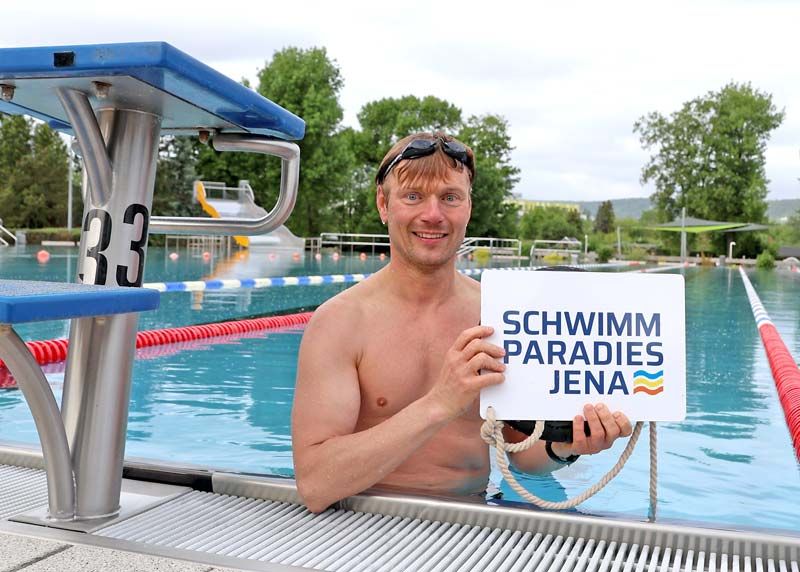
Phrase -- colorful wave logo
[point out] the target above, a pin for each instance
(649, 383)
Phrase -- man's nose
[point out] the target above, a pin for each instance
(433, 210)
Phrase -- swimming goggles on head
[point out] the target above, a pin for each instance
(424, 147)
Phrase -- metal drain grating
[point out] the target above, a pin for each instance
(21, 489)
(347, 541)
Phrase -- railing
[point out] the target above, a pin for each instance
(7, 232)
(564, 247)
(497, 246)
(313, 244)
(352, 240)
(196, 245)
(219, 190)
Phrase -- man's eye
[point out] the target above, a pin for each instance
(412, 196)
(451, 198)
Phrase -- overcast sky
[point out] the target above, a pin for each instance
(570, 77)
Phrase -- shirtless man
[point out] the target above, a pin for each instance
(390, 370)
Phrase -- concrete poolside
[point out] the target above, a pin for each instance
(202, 520)
(18, 552)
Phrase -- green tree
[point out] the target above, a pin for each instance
(33, 174)
(792, 227)
(709, 155)
(604, 220)
(15, 144)
(492, 214)
(175, 176)
(307, 83)
(386, 121)
(550, 223)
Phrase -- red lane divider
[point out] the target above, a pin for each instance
(787, 379)
(51, 351)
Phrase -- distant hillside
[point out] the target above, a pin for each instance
(633, 208)
(782, 209)
(623, 208)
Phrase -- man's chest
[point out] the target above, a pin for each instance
(400, 364)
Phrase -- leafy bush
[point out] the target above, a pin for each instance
(37, 235)
(553, 258)
(604, 253)
(765, 260)
(482, 255)
(636, 253)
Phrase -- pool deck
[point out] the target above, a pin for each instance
(246, 522)
(20, 552)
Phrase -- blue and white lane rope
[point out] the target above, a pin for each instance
(759, 313)
(233, 284)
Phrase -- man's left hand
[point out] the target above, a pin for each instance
(605, 428)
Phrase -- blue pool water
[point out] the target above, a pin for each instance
(227, 403)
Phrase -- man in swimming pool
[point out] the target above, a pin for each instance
(390, 370)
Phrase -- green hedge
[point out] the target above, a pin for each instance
(765, 260)
(37, 235)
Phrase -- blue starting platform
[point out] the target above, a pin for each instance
(118, 99)
(33, 301)
(154, 77)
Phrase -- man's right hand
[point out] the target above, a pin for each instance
(461, 380)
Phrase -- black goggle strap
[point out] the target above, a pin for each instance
(423, 147)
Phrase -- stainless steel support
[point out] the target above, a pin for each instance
(289, 154)
(35, 389)
(101, 350)
(96, 163)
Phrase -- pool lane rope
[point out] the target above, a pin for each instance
(52, 351)
(492, 434)
(277, 281)
(784, 367)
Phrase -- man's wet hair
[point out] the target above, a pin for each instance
(413, 173)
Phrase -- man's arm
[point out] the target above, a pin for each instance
(331, 461)
(605, 428)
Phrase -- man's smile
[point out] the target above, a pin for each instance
(429, 235)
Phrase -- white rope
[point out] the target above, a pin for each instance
(651, 514)
(492, 433)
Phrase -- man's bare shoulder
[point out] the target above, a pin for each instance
(346, 311)
(470, 286)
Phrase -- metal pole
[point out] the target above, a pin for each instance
(683, 235)
(70, 170)
(101, 350)
(619, 243)
(35, 389)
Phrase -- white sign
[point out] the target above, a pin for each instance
(573, 338)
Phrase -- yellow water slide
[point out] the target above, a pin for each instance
(200, 195)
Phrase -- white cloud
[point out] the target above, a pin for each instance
(570, 77)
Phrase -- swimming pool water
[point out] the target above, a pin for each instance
(227, 403)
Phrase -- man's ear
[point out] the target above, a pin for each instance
(382, 202)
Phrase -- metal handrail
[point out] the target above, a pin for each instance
(244, 189)
(46, 416)
(289, 154)
(567, 242)
(8, 232)
(336, 236)
(495, 245)
(90, 141)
